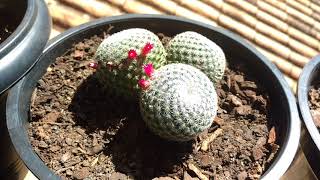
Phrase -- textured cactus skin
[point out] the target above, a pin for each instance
(180, 102)
(122, 78)
(194, 49)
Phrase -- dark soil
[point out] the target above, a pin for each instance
(7, 26)
(80, 132)
(314, 103)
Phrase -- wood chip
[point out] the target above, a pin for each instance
(81, 173)
(81, 150)
(95, 161)
(95, 150)
(197, 172)
(257, 153)
(272, 136)
(206, 142)
(51, 117)
(242, 176)
(235, 100)
(218, 121)
(65, 157)
(117, 176)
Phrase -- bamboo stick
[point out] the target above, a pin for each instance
(181, 11)
(134, 6)
(304, 38)
(298, 5)
(67, 16)
(279, 24)
(317, 2)
(314, 7)
(267, 30)
(215, 3)
(303, 27)
(95, 8)
(119, 3)
(272, 21)
(200, 8)
(311, 5)
(283, 16)
(262, 40)
(58, 28)
(165, 5)
(252, 9)
(272, 10)
(237, 27)
(292, 83)
(294, 13)
(286, 67)
(305, 2)
(176, 9)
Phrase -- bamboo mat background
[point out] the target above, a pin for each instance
(287, 32)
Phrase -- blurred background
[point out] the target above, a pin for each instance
(286, 31)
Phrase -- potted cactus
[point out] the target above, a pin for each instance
(129, 99)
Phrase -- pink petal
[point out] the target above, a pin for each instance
(148, 69)
(144, 84)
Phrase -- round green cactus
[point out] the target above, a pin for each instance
(194, 49)
(179, 103)
(121, 57)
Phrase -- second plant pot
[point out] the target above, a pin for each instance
(310, 141)
(24, 32)
(284, 114)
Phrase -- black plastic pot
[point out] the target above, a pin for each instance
(283, 101)
(310, 141)
(18, 53)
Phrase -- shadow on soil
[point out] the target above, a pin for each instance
(134, 150)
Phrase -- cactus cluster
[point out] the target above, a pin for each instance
(176, 95)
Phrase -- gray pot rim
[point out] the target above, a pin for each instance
(20, 51)
(275, 171)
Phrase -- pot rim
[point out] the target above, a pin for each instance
(23, 27)
(303, 88)
(289, 147)
(20, 51)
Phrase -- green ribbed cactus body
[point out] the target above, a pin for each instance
(194, 49)
(180, 102)
(118, 73)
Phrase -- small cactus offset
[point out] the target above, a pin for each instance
(121, 57)
(194, 49)
(178, 102)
